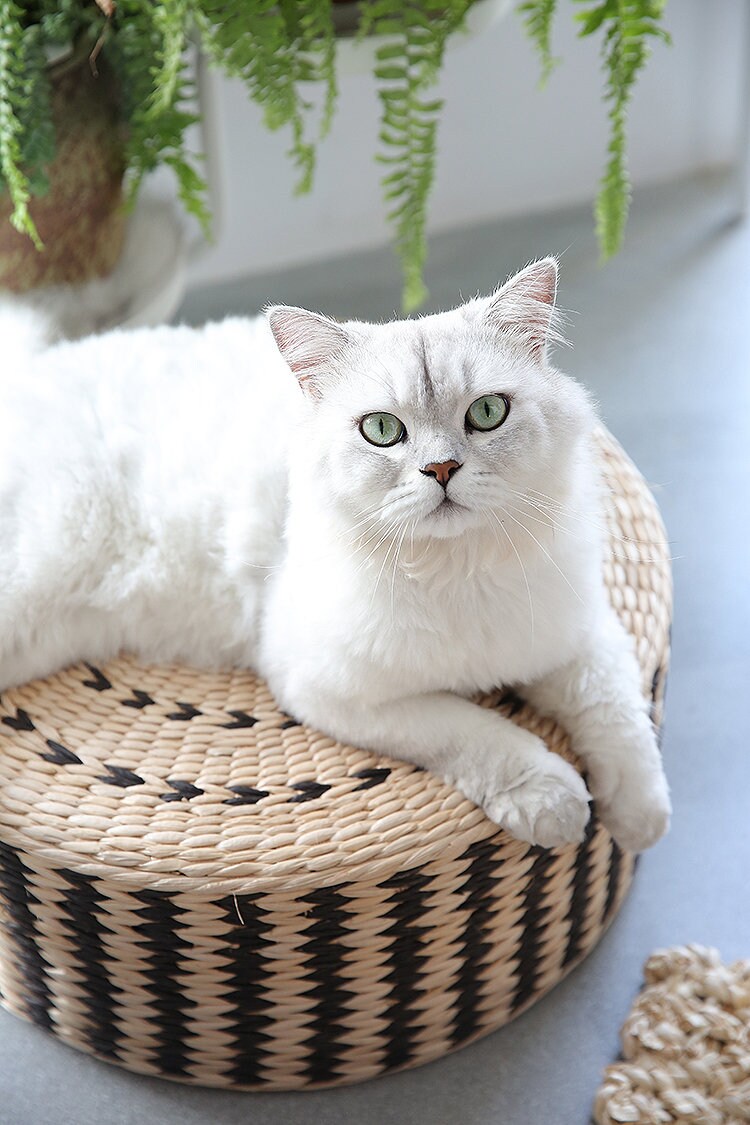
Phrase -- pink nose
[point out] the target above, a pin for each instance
(442, 471)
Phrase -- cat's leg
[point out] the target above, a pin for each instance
(522, 786)
(598, 699)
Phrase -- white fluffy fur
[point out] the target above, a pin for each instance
(178, 493)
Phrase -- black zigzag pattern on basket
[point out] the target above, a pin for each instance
(533, 924)
(580, 894)
(86, 925)
(122, 777)
(59, 755)
(98, 681)
(20, 721)
(480, 887)
(325, 950)
(614, 872)
(161, 931)
(406, 908)
(248, 979)
(19, 924)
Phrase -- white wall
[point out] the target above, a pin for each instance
(505, 146)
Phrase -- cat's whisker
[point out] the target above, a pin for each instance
(361, 536)
(508, 536)
(365, 517)
(548, 520)
(550, 504)
(369, 529)
(357, 541)
(387, 535)
(546, 553)
(395, 571)
(368, 516)
(555, 500)
(411, 567)
(609, 534)
(558, 509)
(384, 526)
(382, 568)
(543, 518)
(556, 506)
(381, 540)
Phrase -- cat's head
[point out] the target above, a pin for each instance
(430, 424)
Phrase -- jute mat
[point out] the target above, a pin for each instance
(686, 1045)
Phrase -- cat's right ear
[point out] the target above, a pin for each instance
(309, 342)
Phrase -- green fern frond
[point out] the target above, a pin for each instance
(159, 100)
(408, 61)
(38, 146)
(627, 26)
(537, 18)
(274, 48)
(20, 68)
(318, 48)
(171, 21)
(280, 49)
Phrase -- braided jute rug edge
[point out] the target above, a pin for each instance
(685, 1045)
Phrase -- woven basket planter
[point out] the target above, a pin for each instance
(81, 218)
(195, 886)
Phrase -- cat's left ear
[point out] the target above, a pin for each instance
(523, 309)
(309, 342)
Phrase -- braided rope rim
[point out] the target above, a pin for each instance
(195, 885)
(686, 1045)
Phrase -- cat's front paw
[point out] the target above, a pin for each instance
(633, 804)
(639, 816)
(548, 807)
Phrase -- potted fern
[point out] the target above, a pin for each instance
(112, 75)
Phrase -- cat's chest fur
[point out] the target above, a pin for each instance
(481, 633)
(461, 621)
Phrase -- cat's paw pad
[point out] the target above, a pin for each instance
(550, 807)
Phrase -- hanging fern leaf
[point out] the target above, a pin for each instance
(537, 18)
(408, 63)
(318, 48)
(273, 47)
(170, 19)
(38, 131)
(627, 26)
(63, 23)
(145, 48)
(279, 48)
(24, 96)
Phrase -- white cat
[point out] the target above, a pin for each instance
(380, 534)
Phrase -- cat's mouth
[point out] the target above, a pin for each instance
(448, 519)
(447, 506)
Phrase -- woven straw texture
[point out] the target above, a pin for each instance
(194, 885)
(686, 1045)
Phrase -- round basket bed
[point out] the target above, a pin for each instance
(194, 885)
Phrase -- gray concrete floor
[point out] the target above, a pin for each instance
(661, 337)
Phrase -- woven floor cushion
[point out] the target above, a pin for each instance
(194, 885)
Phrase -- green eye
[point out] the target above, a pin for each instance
(382, 429)
(487, 412)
